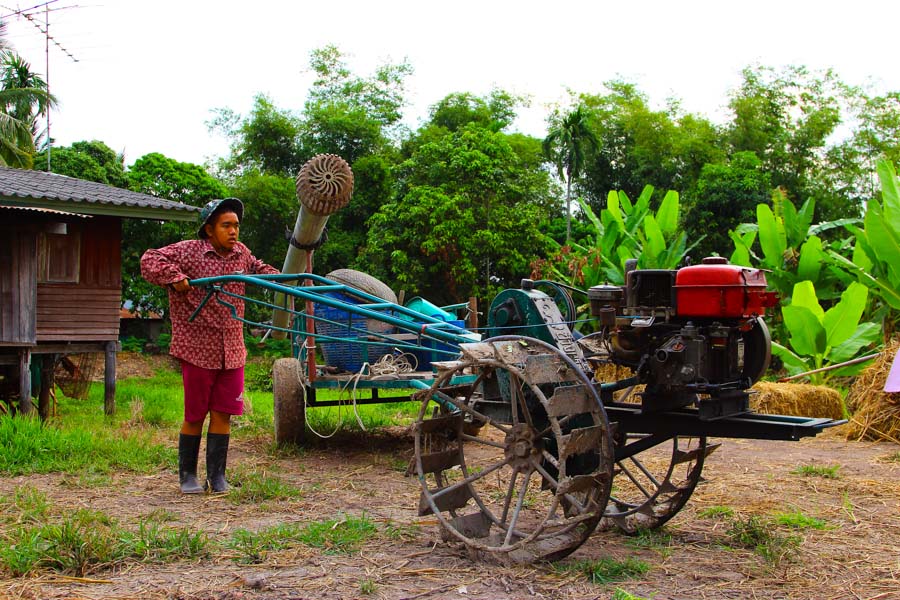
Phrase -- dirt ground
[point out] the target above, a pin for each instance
(857, 556)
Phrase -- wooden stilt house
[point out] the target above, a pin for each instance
(60, 272)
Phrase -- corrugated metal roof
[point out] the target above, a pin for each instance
(19, 187)
(45, 211)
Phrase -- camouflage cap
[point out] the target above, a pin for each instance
(215, 206)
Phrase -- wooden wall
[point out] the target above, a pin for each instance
(18, 269)
(89, 309)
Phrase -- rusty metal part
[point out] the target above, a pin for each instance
(533, 483)
(325, 184)
(653, 479)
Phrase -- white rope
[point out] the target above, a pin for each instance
(389, 364)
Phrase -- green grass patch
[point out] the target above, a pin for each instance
(760, 536)
(89, 540)
(253, 547)
(717, 512)
(621, 594)
(252, 487)
(829, 472)
(606, 570)
(26, 505)
(29, 446)
(797, 520)
(659, 540)
(367, 587)
(338, 536)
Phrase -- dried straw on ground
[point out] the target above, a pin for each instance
(800, 399)
(876, 413)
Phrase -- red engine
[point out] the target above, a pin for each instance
(693, 335)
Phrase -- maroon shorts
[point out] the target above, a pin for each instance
(221, 390)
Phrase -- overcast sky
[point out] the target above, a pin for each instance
(149, 72)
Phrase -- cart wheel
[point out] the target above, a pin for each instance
(652, 485)
(533, 484)
(289, 387)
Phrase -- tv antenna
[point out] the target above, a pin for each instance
(29, 15)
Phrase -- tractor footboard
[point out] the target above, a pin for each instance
(687, 422)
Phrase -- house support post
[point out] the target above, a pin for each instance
(48, 362)
(109, 379)
(25, 406)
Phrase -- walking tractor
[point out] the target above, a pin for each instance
(522, 445)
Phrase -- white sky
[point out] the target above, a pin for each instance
(150, 71)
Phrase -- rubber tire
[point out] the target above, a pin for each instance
(289, 406)
(364, 283)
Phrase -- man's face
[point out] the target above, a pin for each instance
(223, 232)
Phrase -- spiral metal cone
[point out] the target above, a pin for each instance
(325, 184)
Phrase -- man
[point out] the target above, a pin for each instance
(211, 347)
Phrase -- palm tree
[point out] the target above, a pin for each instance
(24, 98)
(567, 145)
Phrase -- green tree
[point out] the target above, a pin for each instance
(568, 144)
(725, 196)
(349, 115)
(786, 118)
(465, 218)
(157, 175)
(268, 139)
(640, 145)
(24, 97)
(93, 161)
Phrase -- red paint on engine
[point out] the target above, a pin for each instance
(721, 291)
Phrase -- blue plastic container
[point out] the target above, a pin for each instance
(349, 355)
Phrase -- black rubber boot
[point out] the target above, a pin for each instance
(188, 450)
(216, 457)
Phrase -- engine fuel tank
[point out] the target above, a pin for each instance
(721, 291)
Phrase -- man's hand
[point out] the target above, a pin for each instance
(181, 286)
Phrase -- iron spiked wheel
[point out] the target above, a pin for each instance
(651, 485)
(517, 462)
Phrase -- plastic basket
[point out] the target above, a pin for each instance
(349, 355)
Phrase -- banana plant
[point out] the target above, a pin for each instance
(819, 338)
(875, 258)
(626, 230)
(790, 247)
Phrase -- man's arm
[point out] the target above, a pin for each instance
(161, 266)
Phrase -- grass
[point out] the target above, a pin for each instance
(621, 594)
(717, 512)
(829, 472)
(86, 540)
(338, 536)
(606, 570)
(335, 536)
(252, 487)
(797, 520)
(658, 540)
(28, 446)
(760, 536)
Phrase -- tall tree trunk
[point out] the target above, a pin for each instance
(568, 207)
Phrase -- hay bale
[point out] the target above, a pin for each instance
(797, 399)
(875, 413)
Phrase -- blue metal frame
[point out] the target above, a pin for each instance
(317, 289)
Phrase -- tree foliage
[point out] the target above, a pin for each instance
(464, 220)
(24, 97)
(568, 145)
(157, 175)
(90, 160)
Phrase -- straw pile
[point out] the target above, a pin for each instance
(876, 413)
(798, 399)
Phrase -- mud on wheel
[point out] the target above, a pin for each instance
(513, 451)
(653, 479)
